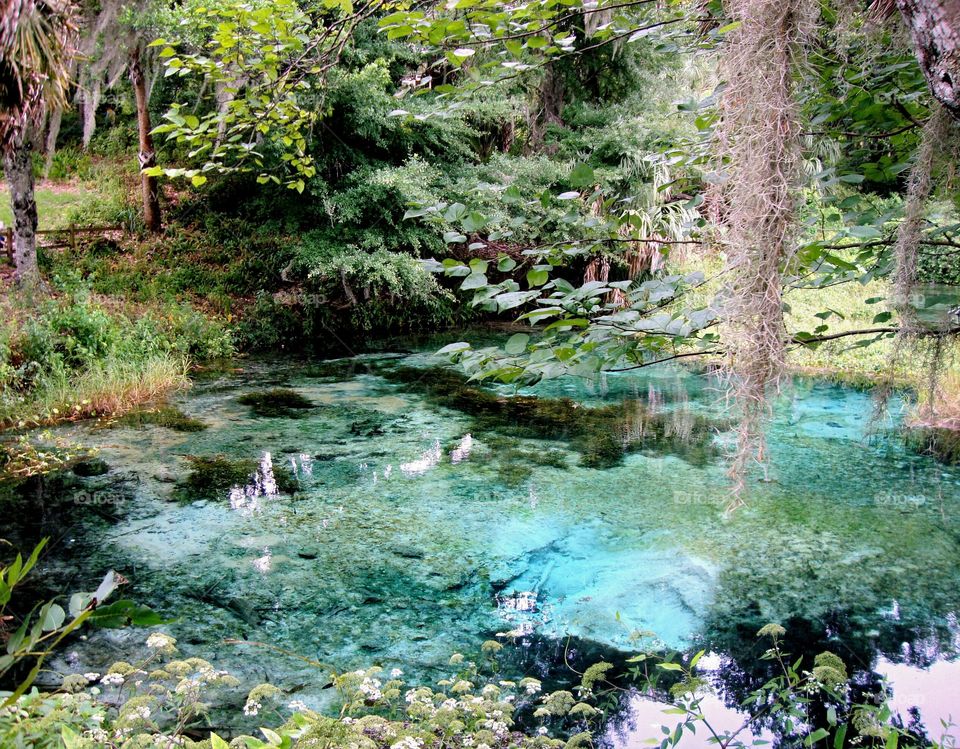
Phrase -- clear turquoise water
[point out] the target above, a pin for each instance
(408, 545)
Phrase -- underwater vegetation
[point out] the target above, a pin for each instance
(601, 435)
(91, 467)
(211, 477)
(276, 402)
(162, 416)
(515, 464)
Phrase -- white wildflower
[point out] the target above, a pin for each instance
(408, 742)
(542, 730)
(112, 680)
(396, 673)
(160, 641)
(251, 708)
(298, 705)
(91, 676)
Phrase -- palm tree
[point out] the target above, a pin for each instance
(36, 43)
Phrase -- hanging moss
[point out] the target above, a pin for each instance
(601, 435)
(276, 402)
(162, 416)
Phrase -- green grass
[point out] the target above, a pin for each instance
(55, 204)
(842, 308)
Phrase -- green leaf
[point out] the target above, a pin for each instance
(454, 348)
(506, 264)
(517, 343)
(52, 617)
(882, 317)
(455, 212)
(820, 733)
(198, 179)
(72, 740)
(272, 736)
(473, 222)
(474, 281)
(582, 176)
(537, 277)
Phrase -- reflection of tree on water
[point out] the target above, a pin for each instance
(737, 671)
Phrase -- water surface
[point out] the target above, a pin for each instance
(419, 530)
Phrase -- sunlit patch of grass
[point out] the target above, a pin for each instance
(111, 387)
(55, 204)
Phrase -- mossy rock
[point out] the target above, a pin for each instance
(163, 416)
(601, 450)
(276, 402)
(287, 482)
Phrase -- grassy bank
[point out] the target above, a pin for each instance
(74, 355)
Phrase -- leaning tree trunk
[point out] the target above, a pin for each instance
(18, 168)
(148, 158)
(935, 28)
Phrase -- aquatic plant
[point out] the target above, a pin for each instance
(211, 477)
(169, 417)
(37, 455)
(276, 402)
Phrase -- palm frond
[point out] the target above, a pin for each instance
(36, 48)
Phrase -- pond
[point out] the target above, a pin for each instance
(400, 518)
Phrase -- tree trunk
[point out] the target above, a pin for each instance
(53, 131)
(148, 158)
(935, 28)
(547, 107)
(18, 169)
(89, 104)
